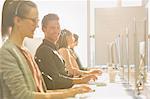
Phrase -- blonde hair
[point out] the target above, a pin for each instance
(62, 42)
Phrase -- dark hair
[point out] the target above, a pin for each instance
(49, 17)
(76, 37)
(62, 42)
(12, 8)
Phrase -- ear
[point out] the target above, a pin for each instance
(17, 20)
(43, 29)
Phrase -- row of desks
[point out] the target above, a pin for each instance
(106, 90)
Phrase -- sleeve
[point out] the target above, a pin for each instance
(47, 65)
(13, 77)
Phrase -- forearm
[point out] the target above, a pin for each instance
(62, 93)
(91, 72)
(39, 95)
(84, 72)
(77, 80)
(57, 90)
(50, 95)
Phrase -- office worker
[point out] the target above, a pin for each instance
(50, 61)
(20, 77)
(93, 69)
(66, 42)
(76, 37)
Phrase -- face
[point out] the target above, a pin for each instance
(70, 41)
(29, 23)
(52, 30)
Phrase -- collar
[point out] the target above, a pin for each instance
(50, 44)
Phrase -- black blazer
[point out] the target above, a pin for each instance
(52, 66)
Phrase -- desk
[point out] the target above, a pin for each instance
(115, 90)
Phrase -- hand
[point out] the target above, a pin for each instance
(87, 78)
(82, 88)
(76, 89)
(95, 71)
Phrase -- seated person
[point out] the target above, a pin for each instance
(76, 37)
(65, 43)
(49, 60)
(20, 77)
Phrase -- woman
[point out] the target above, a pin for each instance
(94, 69)
(20, 77)
(66, 43)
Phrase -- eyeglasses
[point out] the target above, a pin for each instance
(34, 20)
